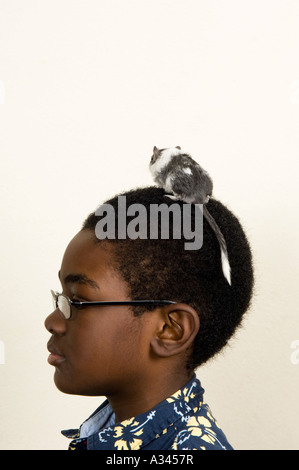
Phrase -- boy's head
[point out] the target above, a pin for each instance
(120, 351)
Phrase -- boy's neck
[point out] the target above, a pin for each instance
(145, 396)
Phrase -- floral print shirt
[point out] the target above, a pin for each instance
(181, 422)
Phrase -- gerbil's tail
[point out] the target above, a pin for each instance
(222, 243)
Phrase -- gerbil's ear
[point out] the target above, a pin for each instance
(155, 155)
(177, 147)
(178, 325)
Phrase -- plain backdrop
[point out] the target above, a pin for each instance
(87, 88)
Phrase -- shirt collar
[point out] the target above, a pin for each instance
(101, 431)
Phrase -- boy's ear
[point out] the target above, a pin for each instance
(177, 327)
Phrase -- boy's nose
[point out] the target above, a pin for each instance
(55, 323)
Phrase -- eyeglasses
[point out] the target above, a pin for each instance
(64, 304)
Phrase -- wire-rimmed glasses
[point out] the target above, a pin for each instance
(64, 303)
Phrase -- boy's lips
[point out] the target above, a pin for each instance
(55, 357)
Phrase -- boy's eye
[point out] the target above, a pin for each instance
(77, 299)
(77, 307)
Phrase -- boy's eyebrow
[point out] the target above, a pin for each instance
(80, 278)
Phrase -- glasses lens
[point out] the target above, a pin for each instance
(64, 306)
(54, 299)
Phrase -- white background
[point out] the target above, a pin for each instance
(87, 88)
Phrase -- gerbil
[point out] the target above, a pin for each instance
(177, 173)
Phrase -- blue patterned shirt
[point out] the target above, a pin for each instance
(181, 422)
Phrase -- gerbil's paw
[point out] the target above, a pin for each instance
(174, 198)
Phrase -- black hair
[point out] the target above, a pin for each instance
(164, 269)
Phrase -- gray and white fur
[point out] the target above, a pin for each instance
(177, 173)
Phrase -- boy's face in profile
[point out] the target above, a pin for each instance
(100, 349)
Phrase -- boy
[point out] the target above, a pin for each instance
(142, 356)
